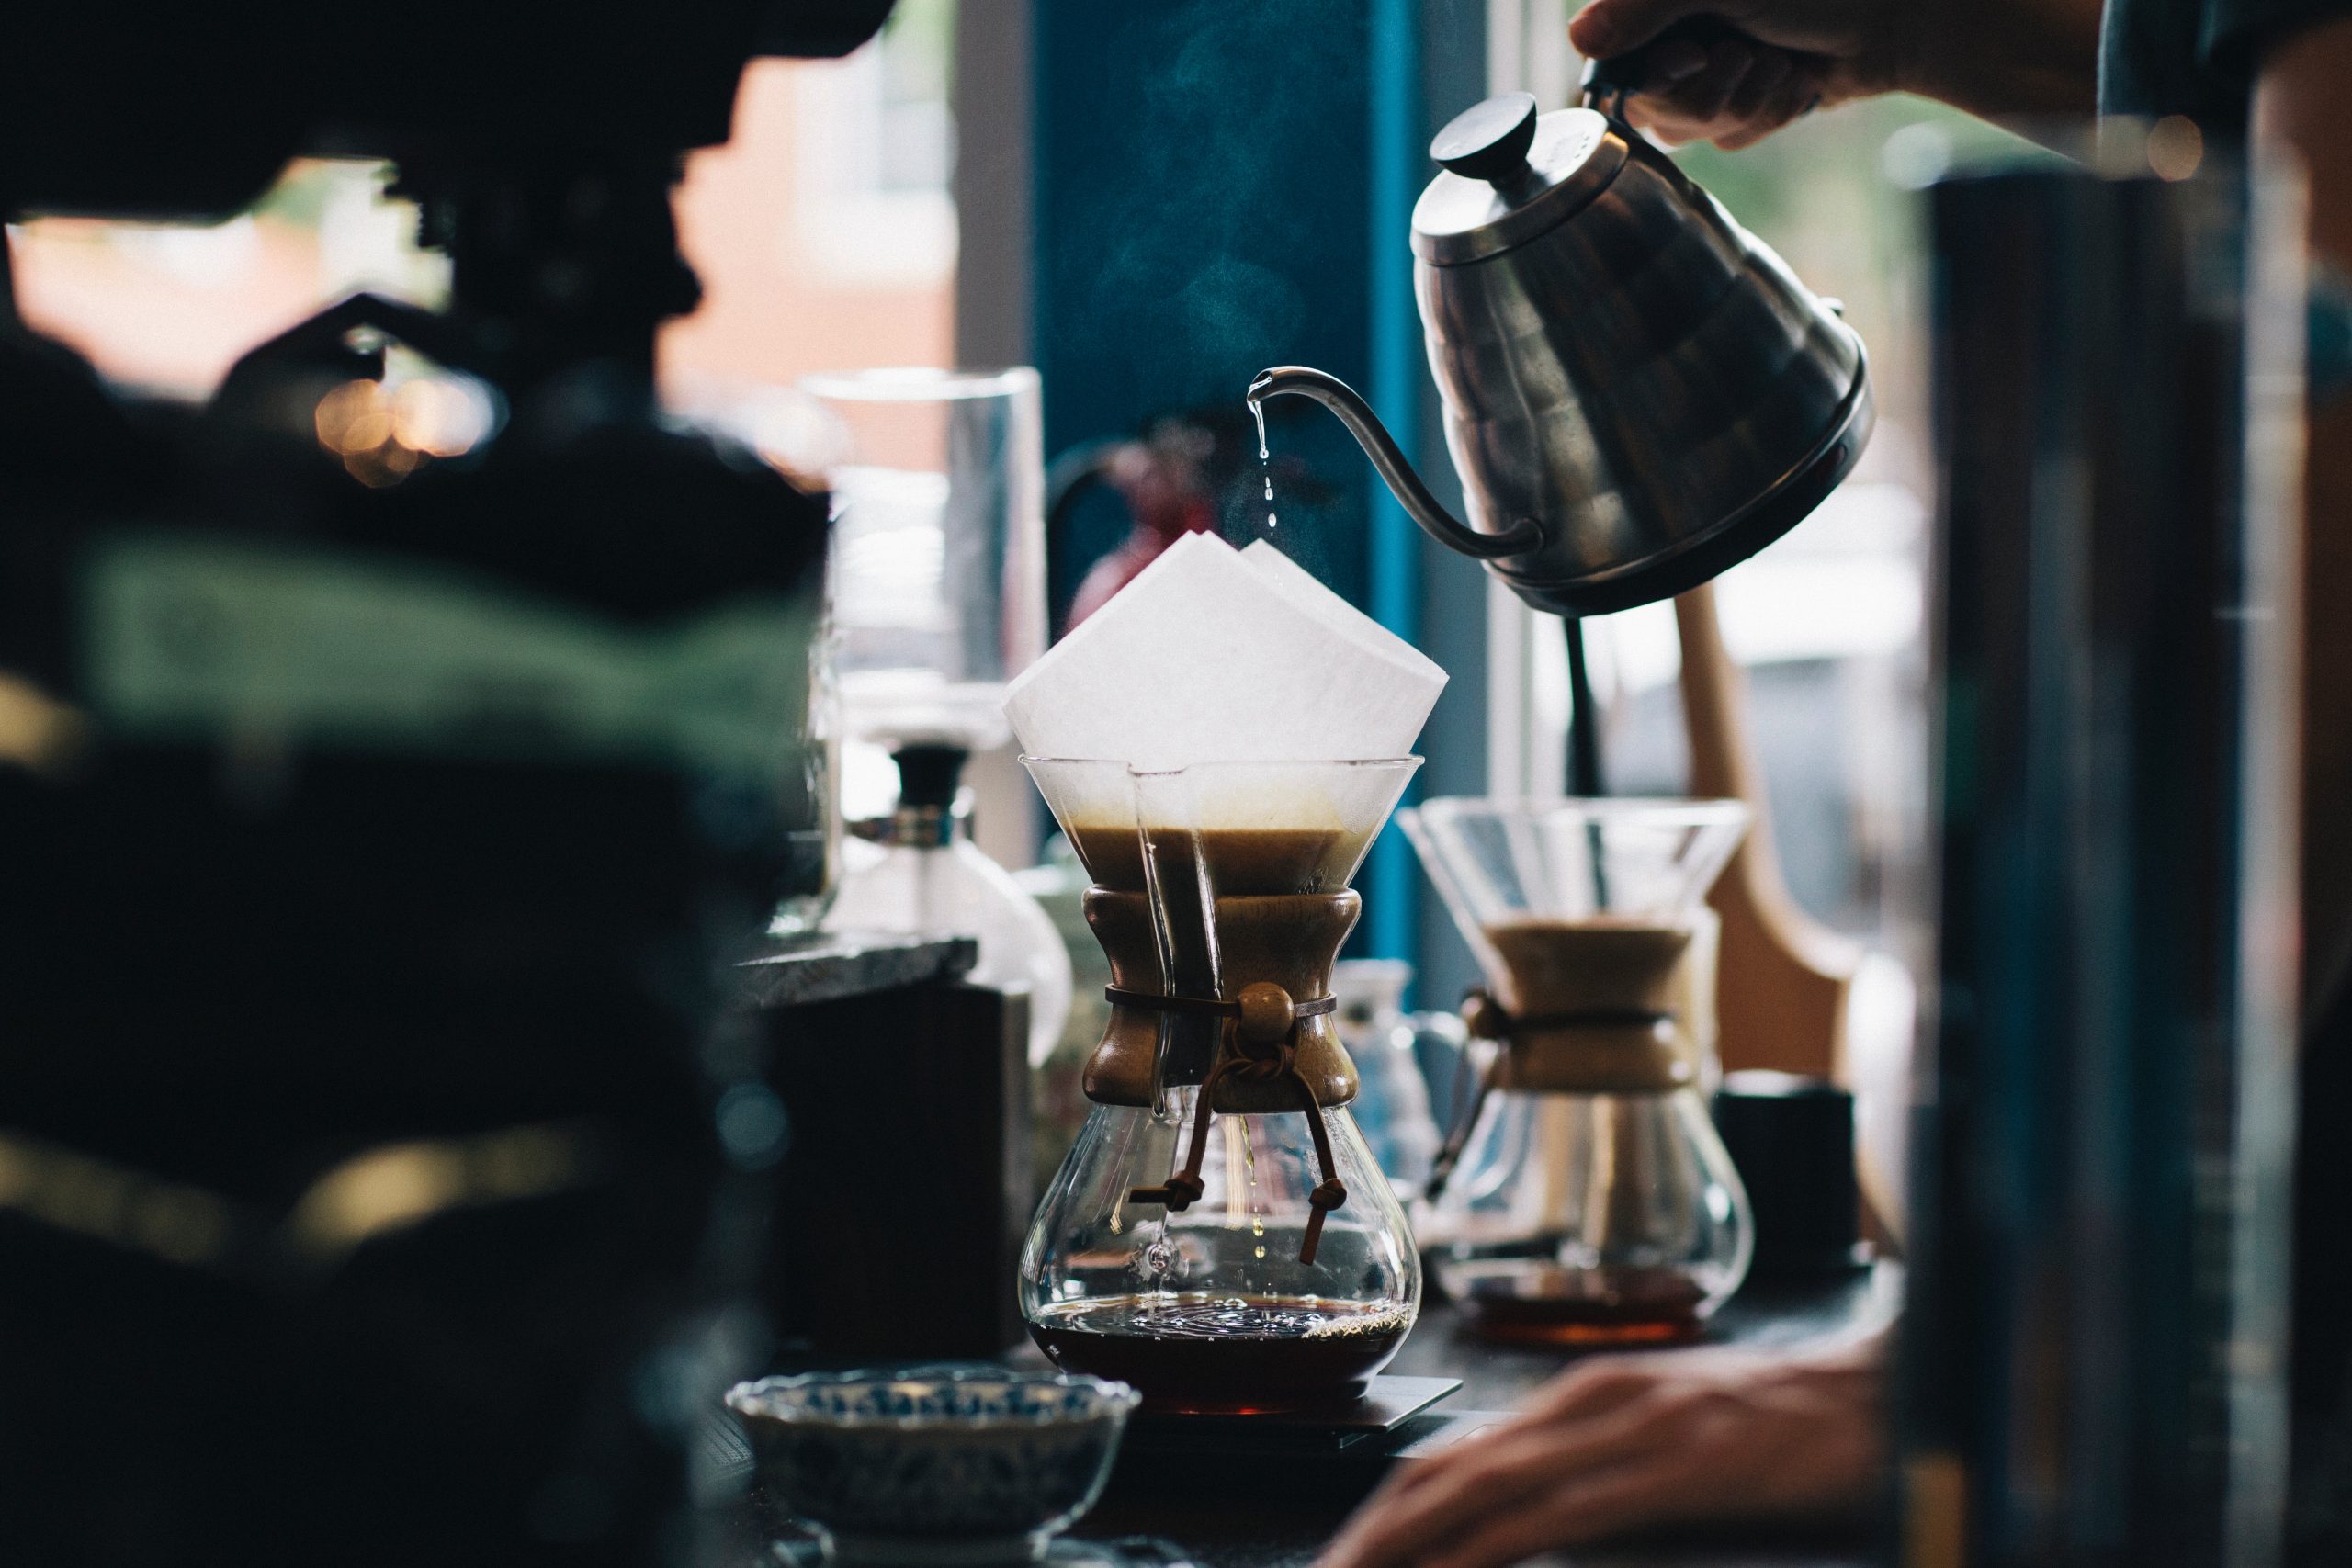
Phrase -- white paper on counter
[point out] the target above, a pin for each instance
(1218, 655)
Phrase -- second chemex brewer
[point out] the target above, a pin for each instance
(1586, 1196)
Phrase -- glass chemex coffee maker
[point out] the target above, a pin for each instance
(1220, 1237)
(1584, 1197)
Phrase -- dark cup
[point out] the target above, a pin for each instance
(1792, 1139)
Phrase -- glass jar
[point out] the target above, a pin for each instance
(917, 872)
(937, 577)
(1588, 1197)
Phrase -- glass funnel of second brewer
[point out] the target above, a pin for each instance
(1589, 1199)
(1220, 1237)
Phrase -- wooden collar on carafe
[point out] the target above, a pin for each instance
(1656, 1066)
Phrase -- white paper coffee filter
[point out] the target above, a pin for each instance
(1212, 655)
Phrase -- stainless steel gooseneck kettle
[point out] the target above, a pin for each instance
(1638, 393)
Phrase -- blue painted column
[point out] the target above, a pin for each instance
(1201, 211)
(1393, 568)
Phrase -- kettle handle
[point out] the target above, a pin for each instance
(1521, 539)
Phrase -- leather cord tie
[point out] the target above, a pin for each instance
(1152, 1001)
(1487, 1018)
(1264, 1045)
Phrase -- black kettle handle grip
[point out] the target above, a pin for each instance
(1520, 538)
(1608, 83)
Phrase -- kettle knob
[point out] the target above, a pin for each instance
(1490, 140)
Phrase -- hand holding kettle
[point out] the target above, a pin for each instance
(1735, 72)
(1732, 72)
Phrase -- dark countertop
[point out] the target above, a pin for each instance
(1222, 1530)
(841, 965)
(1497, 1377)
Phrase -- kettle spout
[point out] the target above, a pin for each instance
(1521, 538)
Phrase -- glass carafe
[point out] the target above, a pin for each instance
(1587, 1198)
(1392, 1110)
(1220, 1237)
(927, 878)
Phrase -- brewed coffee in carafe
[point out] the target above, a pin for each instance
(1587, 1198)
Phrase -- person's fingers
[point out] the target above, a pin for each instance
(1666, 125)
(1668, 1488)
(1670, 60)
(1432, 1500)
(1381, 1531)
(1495, 1471)
(1743, 121)
(1703, 95)
(1792, 101)
(1592, 1387)
(1611, 26)
(1394, 1528)
(1771, 72)
(1693, 108)
(1580, 1509)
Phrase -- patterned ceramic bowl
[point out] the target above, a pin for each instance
(938, 1465)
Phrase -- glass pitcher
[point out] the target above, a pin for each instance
(1391, 1108)
(1220, 1237)
(1587, 1197)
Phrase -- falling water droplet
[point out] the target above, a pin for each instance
(1258, 411)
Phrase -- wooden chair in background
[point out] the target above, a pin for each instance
(1784, 981)
(1783, 978)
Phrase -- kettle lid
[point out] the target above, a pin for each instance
(1511, 174)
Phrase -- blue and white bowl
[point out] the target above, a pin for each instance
(934, 1466)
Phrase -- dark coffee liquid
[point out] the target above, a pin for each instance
(1243, 863)
(1200, 1354)
(1526, 1300)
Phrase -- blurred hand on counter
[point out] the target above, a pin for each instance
(1754, 66)
(1619, 1443)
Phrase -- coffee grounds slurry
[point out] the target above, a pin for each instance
(1199, 1353)
(1243, 863)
